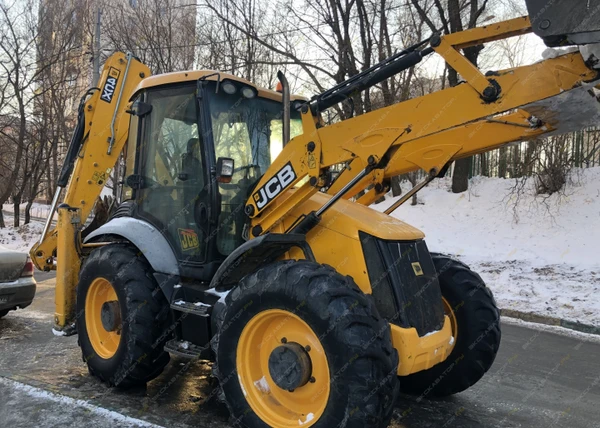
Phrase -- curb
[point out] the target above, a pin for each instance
(547, 320)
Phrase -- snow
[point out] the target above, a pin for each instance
(37, 210)
(550, 53)
(20, 238)
(540, 255)
(451, 341)
(242, 386)
(262, 385)
(586, 337)
(58, 332)
(591, 54)
(222, 294)
(432, 333)
(71, 403)
(309, 418)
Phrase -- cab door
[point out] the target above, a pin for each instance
(172, 172)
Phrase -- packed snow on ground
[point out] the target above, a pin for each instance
(20, 238)
(537, 254)
(50, 409)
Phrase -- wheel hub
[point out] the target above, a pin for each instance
(110, 315)
(290, 366)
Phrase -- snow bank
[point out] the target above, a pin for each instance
(483, 223)
(539, 255)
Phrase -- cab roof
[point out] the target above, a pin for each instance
(212, 75)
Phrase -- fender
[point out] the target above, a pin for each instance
(254, 253)
(146, 238)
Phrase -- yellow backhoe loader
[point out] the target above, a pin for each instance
(233, 241)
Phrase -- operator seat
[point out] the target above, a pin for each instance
(190, 163)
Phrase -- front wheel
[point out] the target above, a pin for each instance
(122, 317)
(475, 322)
(301, 345)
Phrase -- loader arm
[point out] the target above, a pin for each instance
(428, 132)
(99, 138)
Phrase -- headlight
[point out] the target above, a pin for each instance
(228, 87)
(248, 92)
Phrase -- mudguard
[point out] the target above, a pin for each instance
(254, 253)
(146, 238)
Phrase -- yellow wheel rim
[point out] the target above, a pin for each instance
(104, 342)
(275, 406)
(448, 310)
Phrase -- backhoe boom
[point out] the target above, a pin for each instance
(94, 150)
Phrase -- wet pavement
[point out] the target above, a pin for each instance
(539, 379)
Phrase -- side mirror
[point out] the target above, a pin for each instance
(140, 109)
(225, 168)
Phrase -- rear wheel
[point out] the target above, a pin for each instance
(123, 317)
(475, 322)
(301, 345)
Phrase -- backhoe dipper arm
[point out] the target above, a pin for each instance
(97, 142)
(429, 132)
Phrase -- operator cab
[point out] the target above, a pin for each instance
(178, 132)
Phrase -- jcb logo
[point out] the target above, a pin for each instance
(111, 83)
(188, 239)
(284, 177)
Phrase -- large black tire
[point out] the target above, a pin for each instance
(357, 342)
(140, 356)
(4, 312)
(478, 325)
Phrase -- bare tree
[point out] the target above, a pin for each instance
(26, 56)
(160, 32)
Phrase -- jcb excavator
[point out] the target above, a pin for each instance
(233, 241)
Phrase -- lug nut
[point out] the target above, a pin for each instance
(283, 340)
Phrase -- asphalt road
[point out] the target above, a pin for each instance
(539, 379)
(44, 276)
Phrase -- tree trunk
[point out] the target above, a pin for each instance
(2, 225)
(412, 177)
(460, 178)
(28, 212)
(485, 170)
(502, 162)
(17, 211)
(396, 189)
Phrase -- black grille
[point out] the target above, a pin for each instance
(404, 283)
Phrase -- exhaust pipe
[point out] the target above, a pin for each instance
(285, 99)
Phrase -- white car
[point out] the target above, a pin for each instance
(17, 285)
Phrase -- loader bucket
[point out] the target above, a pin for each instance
(565, 22)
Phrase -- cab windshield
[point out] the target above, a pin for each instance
(250, 131)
